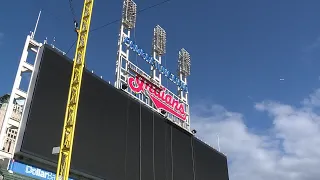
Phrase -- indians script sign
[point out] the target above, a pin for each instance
(158, 96)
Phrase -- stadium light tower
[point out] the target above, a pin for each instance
(129, 14)
(158, 49)
(128, 22)
(184, 64)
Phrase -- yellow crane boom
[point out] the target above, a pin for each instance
(69, 126)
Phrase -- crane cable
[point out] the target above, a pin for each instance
(112, 22)
(72, 10)
(75, 22)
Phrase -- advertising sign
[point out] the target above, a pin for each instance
(149, 59)
(159, 97)
(31, 171)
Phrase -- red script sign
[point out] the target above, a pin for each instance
(158, 96)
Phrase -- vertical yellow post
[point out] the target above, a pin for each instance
(74, 92)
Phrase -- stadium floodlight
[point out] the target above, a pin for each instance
(129, 13)
(184, 62)
(159, 40)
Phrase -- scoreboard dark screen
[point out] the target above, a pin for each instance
(109, 127)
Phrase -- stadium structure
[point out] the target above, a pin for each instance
(133, 129)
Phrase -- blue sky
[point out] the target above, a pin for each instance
(240, 49)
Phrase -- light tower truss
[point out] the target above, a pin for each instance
(129, 16)
(184, 64)
(14, 111)
(129, 13)
(159, 40)
(158, 49)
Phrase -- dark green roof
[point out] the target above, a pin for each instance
(5, 98)
(9, 176)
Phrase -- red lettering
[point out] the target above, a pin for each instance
(135, 85)
(168, 99)
(181, 108)
(152, 90)
(162, 96)
(158, 96)
(175, 103)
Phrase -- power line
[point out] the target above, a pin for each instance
(105, 25)
(147, 8)
(71, 46)
(72, 10)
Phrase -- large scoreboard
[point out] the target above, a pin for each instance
(116, 136)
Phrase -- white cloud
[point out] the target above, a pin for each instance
(290, 150)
